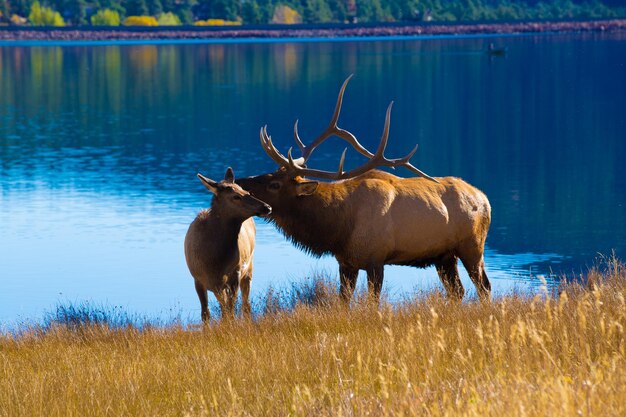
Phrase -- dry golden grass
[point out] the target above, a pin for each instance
(551, 356)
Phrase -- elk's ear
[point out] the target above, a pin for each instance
(208, 183)
(229, 177)
(306, 188)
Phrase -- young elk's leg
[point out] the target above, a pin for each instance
(375, 277)
(472, 257)
(449, 275)
(230, 295)
(204, 302)
(347, 279)
(222, 298)
(245, 296)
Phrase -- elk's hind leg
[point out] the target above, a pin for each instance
(449, 275)
(204, 302)
(471, 255)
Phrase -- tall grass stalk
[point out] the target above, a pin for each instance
(519, 355)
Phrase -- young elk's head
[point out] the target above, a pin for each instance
(232, 199)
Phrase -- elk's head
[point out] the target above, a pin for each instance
(289, 183)
(233, 199)
(278, 187)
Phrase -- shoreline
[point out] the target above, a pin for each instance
(329, 31)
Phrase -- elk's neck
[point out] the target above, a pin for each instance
(226, 226)
(316, 223)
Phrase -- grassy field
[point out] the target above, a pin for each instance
(552, 355)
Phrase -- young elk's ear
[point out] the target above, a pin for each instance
(306, 188)
(229, 177)
(208, 183)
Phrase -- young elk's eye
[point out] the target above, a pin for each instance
(237, 197)
(274, 185)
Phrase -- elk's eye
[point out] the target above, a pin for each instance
(274, 185)
(237, 197)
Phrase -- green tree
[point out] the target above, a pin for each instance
(44, 16)
(403, 9)
(225, 9)
(106, 17)
(168, 19)
(4, 10)
(183, 9)
(154, 7)
(216, 9)
(202, 9)
(115, 5)
(266, 7)
(316, 11)
(168, 5)
(339, 10)
(74, 11)
(251, 12)
(369, 11)
(136, 8)
(19, 7)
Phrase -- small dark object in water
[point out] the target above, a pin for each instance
(493, 51)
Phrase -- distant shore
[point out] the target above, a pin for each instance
(21, 33)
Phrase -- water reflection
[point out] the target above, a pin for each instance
(100, 145)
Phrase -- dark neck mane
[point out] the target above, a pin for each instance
(316, 223)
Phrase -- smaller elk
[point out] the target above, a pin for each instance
(219, 245)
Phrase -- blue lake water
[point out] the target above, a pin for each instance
(100, 144)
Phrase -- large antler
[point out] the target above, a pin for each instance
(378, 159)
(331, 130)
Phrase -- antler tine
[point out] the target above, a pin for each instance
(405, 162)
(331, 129)
(270, 149)
(297, 138)
(393, 163)
(380, 152)
(294, 164)
(417, 171)
(341, 161)
(410, 155)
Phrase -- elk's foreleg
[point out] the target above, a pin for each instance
(347, 279)
(375, 275)
(245, 296)
(204, 302)
(230, 293)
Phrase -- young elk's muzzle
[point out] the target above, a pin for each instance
(261, 209)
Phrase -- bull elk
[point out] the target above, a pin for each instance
(219, 245)
(369, 218)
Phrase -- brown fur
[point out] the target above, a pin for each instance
(219, 245)
(378, 218)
